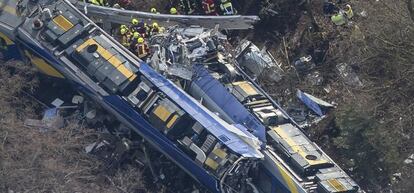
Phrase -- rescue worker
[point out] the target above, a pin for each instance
(155, 29)
(188, 6)
(99, 2)
(348, 11)
(134, 23)
(134, 40)
(124, 27)
(141, 48)
(140, 27)
(227, 7)
(173, 11)
(209, 7)
(153, 10)
(338, 19)
(125, 37)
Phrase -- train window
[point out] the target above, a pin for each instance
(311, 157)
(142, 95)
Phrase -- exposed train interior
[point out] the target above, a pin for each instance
(219, 72)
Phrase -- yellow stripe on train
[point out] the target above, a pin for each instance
(7, 40)
(43, 66)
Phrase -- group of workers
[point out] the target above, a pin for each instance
(338, 16)
(201, 7)
(135, 35)
(187, 7)
(205, 7)
(119, 4)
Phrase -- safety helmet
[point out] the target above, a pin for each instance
(136, 35)
(134, 21)
(153, 10)
(140, 40)
(173, 10)
(116, 5)
(124, 27)
(223, 1)
(155, 25)
(123, 31)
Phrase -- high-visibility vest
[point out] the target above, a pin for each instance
(349, 13)
(227, 8)
(155, 31)
(338, 19)
(125, 40)
(209, 7)
(98, 2)
(142, 50)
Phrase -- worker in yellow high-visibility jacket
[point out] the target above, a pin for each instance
(125, 37)
(338, 19)
(99, 2)
(348, 11)
(227, 7)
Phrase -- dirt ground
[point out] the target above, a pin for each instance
(53, 161)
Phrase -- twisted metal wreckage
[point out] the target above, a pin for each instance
(194, 100)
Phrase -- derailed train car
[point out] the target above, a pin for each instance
(225, 154)
(292, 162)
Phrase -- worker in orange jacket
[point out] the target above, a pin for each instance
(141, 48)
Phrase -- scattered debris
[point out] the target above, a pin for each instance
(57, 102)
(313, 103)
(315, 78)
(51, 120)
(409, 160)
(348, 75)
(257, 62)
(397, 176)
(77, 99)
(304, 64)
(95, 145)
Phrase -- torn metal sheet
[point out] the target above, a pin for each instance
(348, 75)
(309, 103)
(51, 120)
(244, 143)
(257, 62)
(57, 102)
(318, 100)
(181, 72)
(95, 145)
